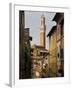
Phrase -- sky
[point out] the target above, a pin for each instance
(32, 21)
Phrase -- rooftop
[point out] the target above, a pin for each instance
(58, 17)
(51, 31)
(42, 49)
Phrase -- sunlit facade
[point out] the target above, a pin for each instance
(56, 47)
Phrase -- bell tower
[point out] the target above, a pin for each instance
(42, 31)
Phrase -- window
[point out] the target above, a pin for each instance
(58, 55)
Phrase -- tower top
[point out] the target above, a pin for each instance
(42, 16)
(42, 20)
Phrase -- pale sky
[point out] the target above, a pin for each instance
(32, 21)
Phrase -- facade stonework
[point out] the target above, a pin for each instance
(56, 47)
(24, 49)
(39, 56)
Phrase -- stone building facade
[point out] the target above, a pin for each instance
(24, 49)
(39, 56)
(59, 18)
(52, 52)
(56, 47)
